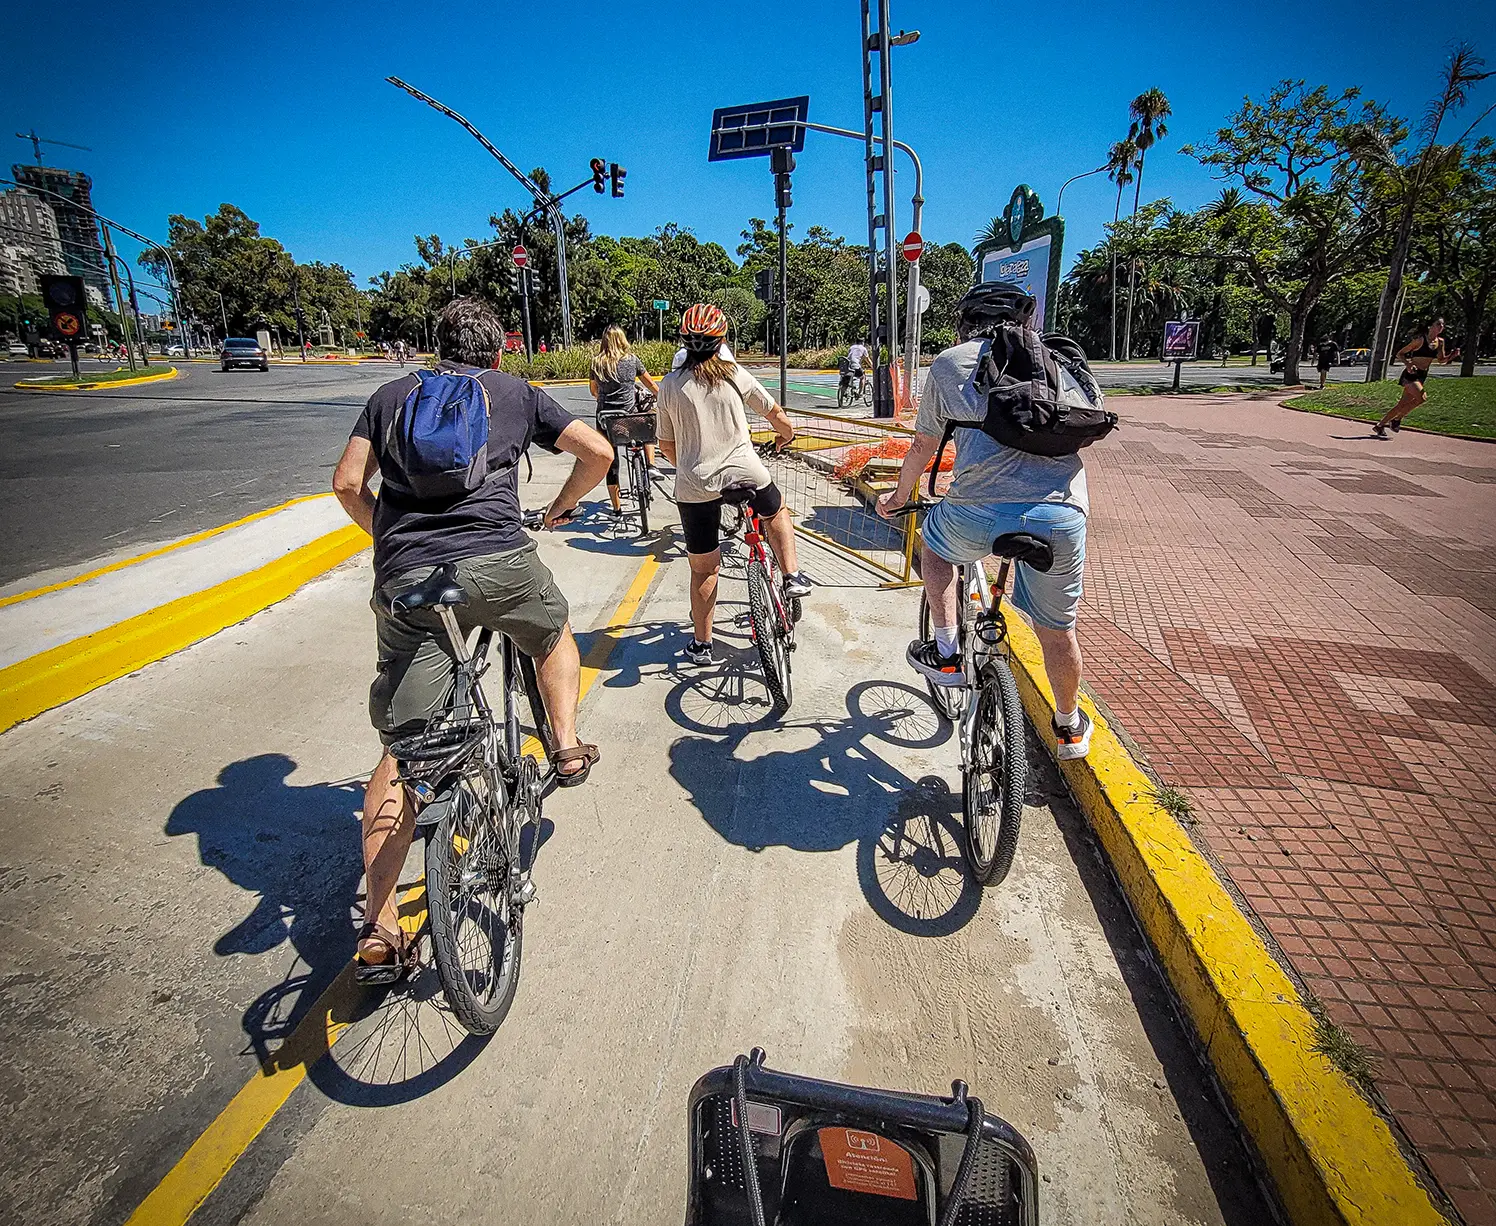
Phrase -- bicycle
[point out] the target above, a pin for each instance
(477, 792)
(856, 382)
(799, 1151)
(632, 433)
(771, 616)
(985, 707)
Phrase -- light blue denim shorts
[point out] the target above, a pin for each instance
(963, 532)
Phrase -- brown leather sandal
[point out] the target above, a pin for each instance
(376, 974)
(588, 755)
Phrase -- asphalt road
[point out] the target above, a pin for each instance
(724, 879)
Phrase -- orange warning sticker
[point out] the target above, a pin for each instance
(865, 1162)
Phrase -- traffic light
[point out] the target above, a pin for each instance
(763, 285)
(599, 173)
(66, 306)
(618, 174)
(782, 197)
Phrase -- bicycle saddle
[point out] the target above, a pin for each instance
(1024, 547)
(439, 588)
(739, 492)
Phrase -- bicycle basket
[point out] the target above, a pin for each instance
(629, 429)
(829, 1154)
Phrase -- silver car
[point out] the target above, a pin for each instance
(243, 351)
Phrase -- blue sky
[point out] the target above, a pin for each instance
(287, 115)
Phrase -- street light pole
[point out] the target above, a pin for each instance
(543, 200)
(1085, 174)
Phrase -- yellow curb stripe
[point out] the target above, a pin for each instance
(54, 677)
(209, 1158)
(1332, 1158)
(169, 373)
(178, 1196)
(156, 553)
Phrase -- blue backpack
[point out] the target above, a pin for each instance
(438, 440)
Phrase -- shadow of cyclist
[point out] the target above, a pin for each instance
(833, 792)
(296, 849)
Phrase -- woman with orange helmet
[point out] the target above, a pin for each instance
(703, 429)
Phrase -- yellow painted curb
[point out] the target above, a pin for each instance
(169, 373)
(69, 670)
(123, 563)
(1332, 1158)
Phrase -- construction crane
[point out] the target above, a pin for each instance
(38, 141)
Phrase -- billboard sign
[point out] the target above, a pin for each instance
(1026, 251)
(1181, 340)
(753, 130)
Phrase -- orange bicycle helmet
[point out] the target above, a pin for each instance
(703, 328)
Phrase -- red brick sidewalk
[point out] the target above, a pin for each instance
(1298, 625)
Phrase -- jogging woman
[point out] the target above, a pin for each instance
(704, 433)
(1426, 348)
(613, 383)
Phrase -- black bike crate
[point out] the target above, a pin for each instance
(629, 429)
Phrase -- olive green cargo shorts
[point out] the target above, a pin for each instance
(511, 593)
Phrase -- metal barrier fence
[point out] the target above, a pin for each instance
(831, 476)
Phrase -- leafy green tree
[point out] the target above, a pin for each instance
(1457, 249)
(947, 271)
(1304, 223)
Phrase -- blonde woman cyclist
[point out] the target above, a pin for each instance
(1426, 348)
(704, 433)
(615, 371)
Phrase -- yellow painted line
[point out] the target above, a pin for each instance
(1332, 1158)
(155, 553)
(169, 373)
(178, 1196)
(54, 677)
(209, 1158)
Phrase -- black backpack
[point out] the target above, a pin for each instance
(1029, 406)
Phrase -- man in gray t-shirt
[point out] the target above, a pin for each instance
(997, 489)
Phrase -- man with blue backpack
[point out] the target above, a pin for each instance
(448, 445)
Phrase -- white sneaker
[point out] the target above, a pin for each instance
(1075, 741)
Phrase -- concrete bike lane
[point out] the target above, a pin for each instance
(185, 873)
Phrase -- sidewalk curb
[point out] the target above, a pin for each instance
(1469, 438)
(1331, 1157)
(65, 672)
(169, 373)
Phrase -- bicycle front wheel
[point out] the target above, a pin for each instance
(995, 776)
(476, 928)
(639, 477)
(773, 650)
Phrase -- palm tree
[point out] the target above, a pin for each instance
(1119, 163)
(1149, 110)
(997, 229)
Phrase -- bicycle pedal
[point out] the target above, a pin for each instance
(525, 893)
(743, 619)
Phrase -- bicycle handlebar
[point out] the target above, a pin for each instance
(535, 520)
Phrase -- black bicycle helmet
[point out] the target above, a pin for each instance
(990, 303)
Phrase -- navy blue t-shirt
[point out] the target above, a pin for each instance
(410, 533)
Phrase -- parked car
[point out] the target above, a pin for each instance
(17, 350)
(175, 351)
(243, 351)
(1355, 357)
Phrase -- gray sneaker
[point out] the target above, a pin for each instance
(699, 654)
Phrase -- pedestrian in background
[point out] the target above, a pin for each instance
(1328, 355)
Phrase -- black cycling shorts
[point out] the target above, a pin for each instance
(701, 522)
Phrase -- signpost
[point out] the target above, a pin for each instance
(66, 305)
(1027, 254)
(521, 258)
(662, 305)
(1181, 343)
(776, 130)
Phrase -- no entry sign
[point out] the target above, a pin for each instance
(521, 256)
(914, 246)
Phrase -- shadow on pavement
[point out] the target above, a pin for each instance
(836, 791)
(297, 850)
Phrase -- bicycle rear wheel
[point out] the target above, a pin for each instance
(476, 928)
(639, 479)
(773, 651)
(948, 699)
(995, 776)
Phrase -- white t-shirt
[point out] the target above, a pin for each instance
(709, 427)
(857, 354)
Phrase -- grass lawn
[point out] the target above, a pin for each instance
(97, 376)
(1454, 406)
